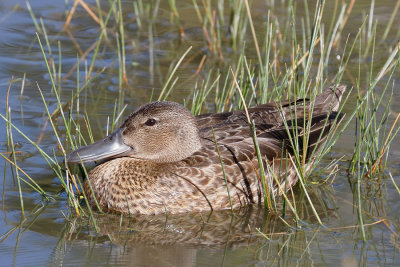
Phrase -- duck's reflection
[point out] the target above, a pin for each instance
(176, 240)
(193, 229)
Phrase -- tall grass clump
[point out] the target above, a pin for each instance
(375, 127)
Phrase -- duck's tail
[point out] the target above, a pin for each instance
(330, 99)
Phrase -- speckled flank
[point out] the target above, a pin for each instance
(174, 167)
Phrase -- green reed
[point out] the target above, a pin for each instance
(223, 169)
(33, 17)
(11, 139)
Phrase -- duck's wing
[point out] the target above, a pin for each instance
(278, 126)
(272, 138)
(276, 113)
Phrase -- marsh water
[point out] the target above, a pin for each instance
(51, 235)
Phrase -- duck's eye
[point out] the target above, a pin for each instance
(150, 122)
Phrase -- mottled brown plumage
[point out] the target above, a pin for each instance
(163, 159)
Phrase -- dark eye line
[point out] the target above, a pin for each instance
(150, 122)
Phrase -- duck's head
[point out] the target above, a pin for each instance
(160, 131)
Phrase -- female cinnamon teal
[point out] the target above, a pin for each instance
(164, 160)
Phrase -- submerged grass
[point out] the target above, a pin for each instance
(238, 84)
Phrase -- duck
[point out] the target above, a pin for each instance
(165, 160)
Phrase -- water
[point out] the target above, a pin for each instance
(51, 237)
